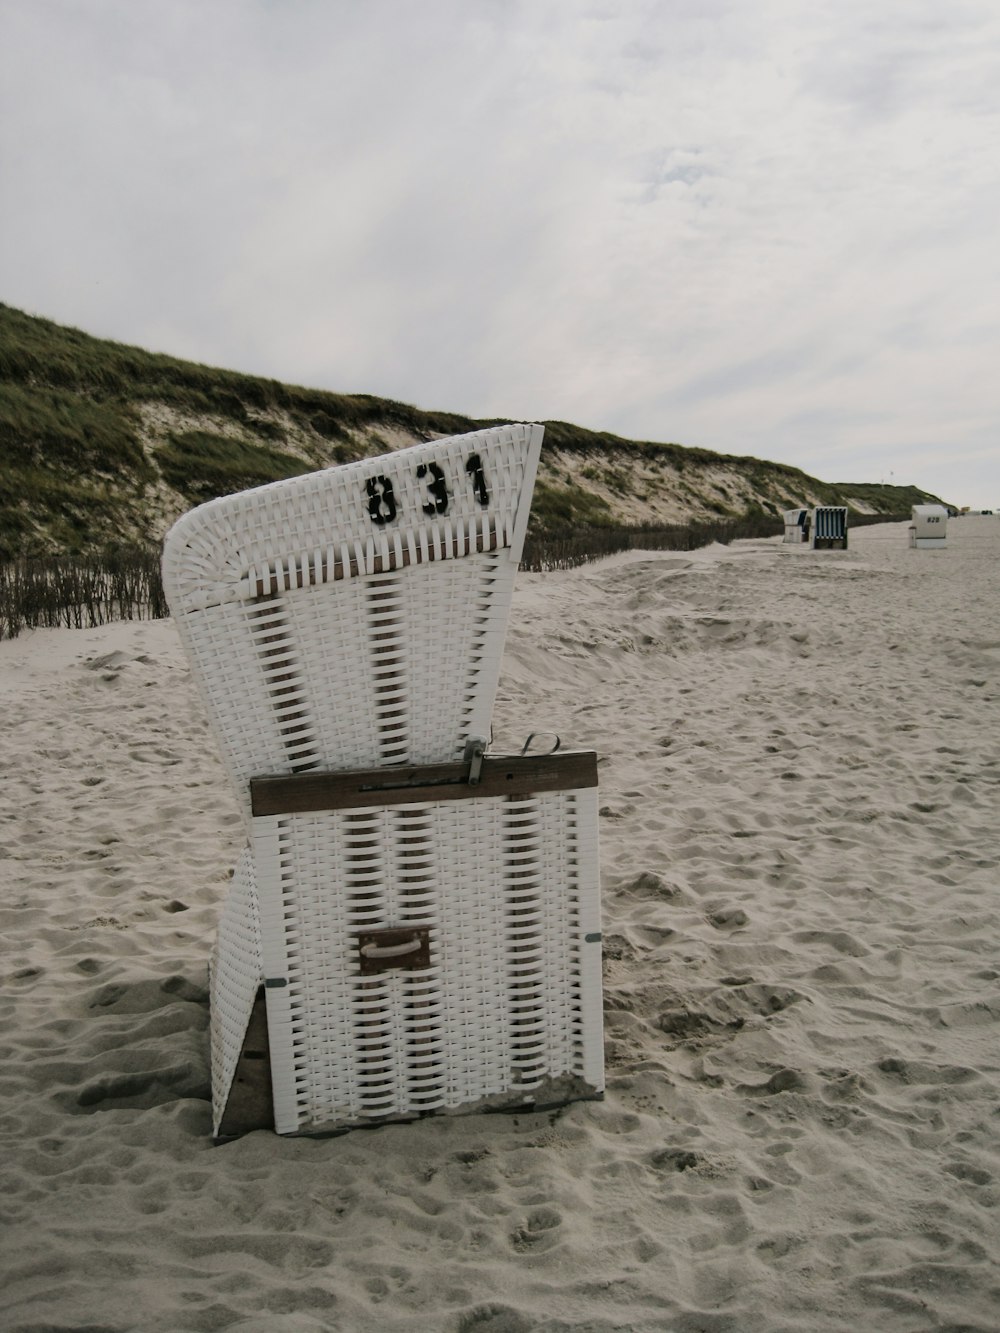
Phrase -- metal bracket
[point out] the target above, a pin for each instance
(475, 752)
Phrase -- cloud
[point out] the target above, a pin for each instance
(764, 229)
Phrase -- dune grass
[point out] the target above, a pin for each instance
(79, 471)
(202, 465)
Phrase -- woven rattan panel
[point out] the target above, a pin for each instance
(506, 1008)
(352, 619)
(344, 618)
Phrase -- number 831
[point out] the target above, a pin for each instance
(382, 497)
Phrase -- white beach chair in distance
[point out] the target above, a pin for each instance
(796, 523)
(928, 527)
(422, 917)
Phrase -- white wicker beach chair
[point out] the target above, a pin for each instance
(796, 526)
(423, 918)
(929, 527)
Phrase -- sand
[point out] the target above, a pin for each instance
(800, 803)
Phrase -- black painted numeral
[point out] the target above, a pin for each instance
(437, 489)
(474, 467)
(381, 499)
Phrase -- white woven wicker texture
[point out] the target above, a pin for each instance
(508, 1010)
(288, 530)
(346, 618)
(332, 622)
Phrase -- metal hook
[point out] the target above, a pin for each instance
(527, 744)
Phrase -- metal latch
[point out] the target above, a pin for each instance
(475, 752)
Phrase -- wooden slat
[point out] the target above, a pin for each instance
(519, 775)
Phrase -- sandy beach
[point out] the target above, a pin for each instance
(800, 849)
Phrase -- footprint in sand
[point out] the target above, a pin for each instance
(537, 1231)
(785, 1080)
(972, 1175)
(728, 918)
(494, 1319)
(674, 1159)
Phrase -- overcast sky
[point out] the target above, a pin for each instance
(765, 227)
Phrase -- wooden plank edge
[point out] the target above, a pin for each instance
(516, 775)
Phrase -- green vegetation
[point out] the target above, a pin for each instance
(555, 508)
(56, 428)
(104, 443)
(881, 499)
(618, 480)
(37, 351)
(71, 451)
(201, 465)
(63, 456)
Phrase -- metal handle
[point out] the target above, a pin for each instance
(399, 946)
(390, 950)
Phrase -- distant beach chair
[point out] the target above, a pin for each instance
(829, 528)
(414, 926)
(796, 526)
(929, 529)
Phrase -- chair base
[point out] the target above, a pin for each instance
(250, 1107)
(336, 1131)
(428, 945)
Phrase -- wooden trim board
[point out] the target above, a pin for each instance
(518, 775)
